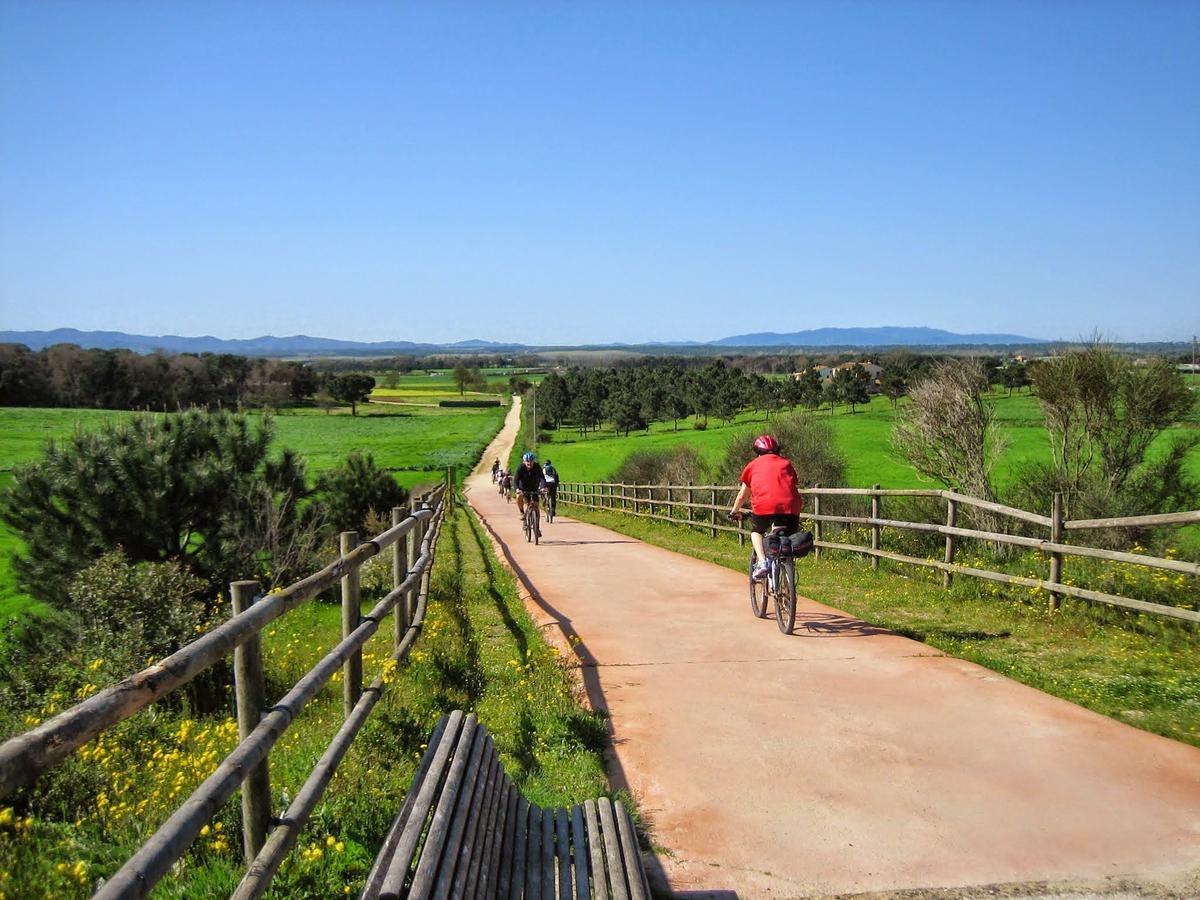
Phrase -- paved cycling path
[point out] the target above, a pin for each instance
(843, 758)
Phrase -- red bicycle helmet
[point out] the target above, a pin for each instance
(766, 444)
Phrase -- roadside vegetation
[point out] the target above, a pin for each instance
(479, 652)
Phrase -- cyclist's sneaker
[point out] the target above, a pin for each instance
(761, 569)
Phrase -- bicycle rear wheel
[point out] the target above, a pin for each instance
(758, 593)
(785, 595)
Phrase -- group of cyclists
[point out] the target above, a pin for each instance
(769, 481)
(529, 482)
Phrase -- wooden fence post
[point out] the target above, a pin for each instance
(875, 504)
(451, 477)
(713, 512)
(817, 523)
(951, 520)
(351, 611)
(400, 620)
(414, 553)
(1056, 533)
(250, 689)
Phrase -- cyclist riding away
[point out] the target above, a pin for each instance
(528, 481)
(550, 476)
(770, 481)
(495, 471)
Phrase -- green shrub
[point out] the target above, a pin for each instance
(808, 441)
(354, 490)
(679, 465)
(197, 488)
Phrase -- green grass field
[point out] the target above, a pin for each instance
(864, 438)
(415, 442)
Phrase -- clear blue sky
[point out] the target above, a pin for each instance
(586, 172)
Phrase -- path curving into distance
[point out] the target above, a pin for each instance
(844, 758)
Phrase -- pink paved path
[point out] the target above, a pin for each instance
(842, 758)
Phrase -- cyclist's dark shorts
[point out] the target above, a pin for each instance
(760, 524)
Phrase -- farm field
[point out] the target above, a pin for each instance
(864, 438)
(415, 442)
(438, 384)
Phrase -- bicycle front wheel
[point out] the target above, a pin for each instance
(537, 526)
(758, 593)
(785, 596)
(525, 525)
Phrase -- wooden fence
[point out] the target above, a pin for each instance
(411, 539)
(663, 502)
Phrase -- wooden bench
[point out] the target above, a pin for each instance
(477, 836)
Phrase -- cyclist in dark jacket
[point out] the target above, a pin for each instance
(550, 476)
(528, 481)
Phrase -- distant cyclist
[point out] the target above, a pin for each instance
(495, 471)
(771, 482)
(528, 481)
(550, 476)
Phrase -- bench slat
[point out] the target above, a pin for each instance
(520, 846)
(484, 887)
(579, 840)
(374, 880)
(596, 849)
(533, 855)
(435, 869)
(562, 850)
(612, 850)
(548, 892)
(406, 848)
(638, 889)
(471, 852)
(508, 846)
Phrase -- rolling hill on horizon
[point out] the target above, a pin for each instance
(305, 345)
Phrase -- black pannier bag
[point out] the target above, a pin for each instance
(794, 545)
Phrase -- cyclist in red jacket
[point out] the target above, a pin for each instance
(770, 481)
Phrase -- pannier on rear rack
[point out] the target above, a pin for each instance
(793, 545)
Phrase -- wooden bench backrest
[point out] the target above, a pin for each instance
(477, 836)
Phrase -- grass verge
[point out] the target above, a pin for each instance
(480, 651)
(1141, 670)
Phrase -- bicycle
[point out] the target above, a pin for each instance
(551, 506)
(780, 583)
(531, 521)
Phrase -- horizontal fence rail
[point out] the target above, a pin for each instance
(660, 502)
(412, 540)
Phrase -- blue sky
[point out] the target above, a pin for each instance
(590, 172)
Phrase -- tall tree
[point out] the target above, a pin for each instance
(353, 389)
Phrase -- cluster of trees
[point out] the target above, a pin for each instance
(1104, 415)
(632, 398)
(67, 375)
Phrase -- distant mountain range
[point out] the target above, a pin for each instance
(886, 336)
(303, 345)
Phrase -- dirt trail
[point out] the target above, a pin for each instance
(842, 758)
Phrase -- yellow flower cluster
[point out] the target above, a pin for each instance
(11, 823)
(76, 871)
(170, 769)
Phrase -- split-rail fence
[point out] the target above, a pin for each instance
(411, 540)
(664, 503)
